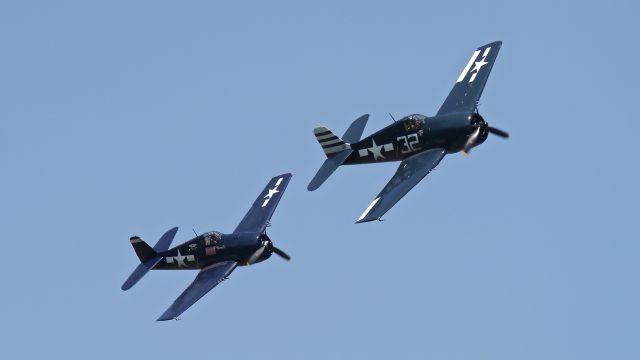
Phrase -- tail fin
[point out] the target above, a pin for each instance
(336, 149)
(143, 250)
(330, 143)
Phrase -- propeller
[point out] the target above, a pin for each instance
(267, 244)
(496, 131)
(281, 253)
(482, 128)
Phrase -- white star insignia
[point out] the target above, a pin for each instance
(272, 192)
(479, 64)
(180, 259)
(376, 150)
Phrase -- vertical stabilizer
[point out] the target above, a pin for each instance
(331, 144)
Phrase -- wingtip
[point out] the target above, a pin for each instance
(125, 287)
(365, 215)
(283, 175)
(364, 220)
(497, 43)
(165, 317)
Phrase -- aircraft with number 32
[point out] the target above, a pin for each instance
(215, 254)
(418, 141)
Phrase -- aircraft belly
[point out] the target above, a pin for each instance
(212, 256)
(354, 159)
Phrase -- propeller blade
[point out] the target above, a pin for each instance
(256, 255)
(502, 134)
(472, 139)
(281, 253)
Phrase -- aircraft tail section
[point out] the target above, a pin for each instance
(330, 143)
(328, 167)
(336, 149)
(148, 255)
(143, 250)
(354, 132)
(140, 271)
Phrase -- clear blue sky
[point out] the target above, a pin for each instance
(122, 118)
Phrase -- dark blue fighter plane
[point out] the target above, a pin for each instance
(215, 254)
(418, 141)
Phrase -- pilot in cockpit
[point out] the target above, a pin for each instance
(211, 238)
(414, 123)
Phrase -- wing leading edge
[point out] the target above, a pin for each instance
(206, 280)
(409, 173)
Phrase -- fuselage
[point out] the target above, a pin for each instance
(210, 248)
(414, 134)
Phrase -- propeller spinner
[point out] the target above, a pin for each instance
(482, 129)
(267, 245)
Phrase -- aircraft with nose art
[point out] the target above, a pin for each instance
(417, 141)
(215, 254)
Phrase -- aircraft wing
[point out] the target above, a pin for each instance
(259, 214)
(468, 87)
(409, 173)
(206, 280)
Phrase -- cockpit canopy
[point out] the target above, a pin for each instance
(413, 122)
(211, 238)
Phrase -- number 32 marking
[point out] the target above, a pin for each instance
(409, 143)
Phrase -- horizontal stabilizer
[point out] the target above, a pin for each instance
(328, 167)
(165, 241)
(355, 130)
(140, 271)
